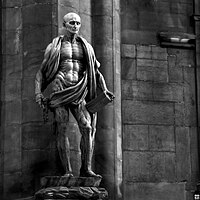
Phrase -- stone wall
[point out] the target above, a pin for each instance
(142, 19)
(11, 74)
(38, 141)
(160, 152)
(159, 122)
(28, 149)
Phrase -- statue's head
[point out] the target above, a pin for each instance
(72, 22)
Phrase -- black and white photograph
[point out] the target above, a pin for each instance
(100, 100)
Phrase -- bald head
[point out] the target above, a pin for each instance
(72, 22)
(71, 17)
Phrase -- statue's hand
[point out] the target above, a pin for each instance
(110, 95)
(39, 98)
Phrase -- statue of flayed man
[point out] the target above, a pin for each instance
(71, 67)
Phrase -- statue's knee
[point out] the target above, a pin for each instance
(86, 128)
(62, 130)
(61, 115)
(89, 128)
(94, 130)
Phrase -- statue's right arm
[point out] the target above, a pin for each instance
(39, 78)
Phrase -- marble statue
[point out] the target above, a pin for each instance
(72, 69)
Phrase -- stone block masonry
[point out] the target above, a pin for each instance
(11, 105)
(155, 191)
(147, 112)
(159, 122)
(26, 30)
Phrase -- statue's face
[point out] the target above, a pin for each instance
(72, 22)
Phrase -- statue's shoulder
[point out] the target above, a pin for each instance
(57, 39)
(86, 43)
(82, 39)
(53, 44)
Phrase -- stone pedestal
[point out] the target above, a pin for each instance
(62, 187)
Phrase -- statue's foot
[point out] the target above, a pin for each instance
(89, 173)
(68, 174)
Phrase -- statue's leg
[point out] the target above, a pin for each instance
(87, 127)
(62, 119)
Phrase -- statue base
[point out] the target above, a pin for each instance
(62, 187)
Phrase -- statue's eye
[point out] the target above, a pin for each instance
(74, 22)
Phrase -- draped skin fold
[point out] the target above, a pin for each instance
(86, 86)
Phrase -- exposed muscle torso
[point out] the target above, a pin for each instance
(71, 66)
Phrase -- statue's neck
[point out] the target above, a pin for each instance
(70, 37)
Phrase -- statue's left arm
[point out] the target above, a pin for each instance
(99, 77)
(102, 84)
